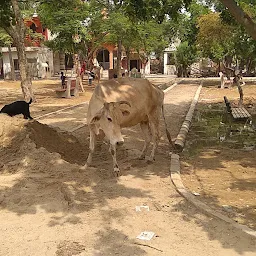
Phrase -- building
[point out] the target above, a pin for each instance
(43, 62)
(169, 59)
(106, 56)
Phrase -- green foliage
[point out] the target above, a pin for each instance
(147, 10)
(189, 28)
(108, 27)
(5, 13)
(185, 56)
(5, 39)
(64, 18)
(215, 39)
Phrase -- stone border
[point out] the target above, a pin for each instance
(180, 140)
(177, 181)
(170, 87)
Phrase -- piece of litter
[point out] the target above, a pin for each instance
(227, 208)
(138, 208)
(146, 235)
(196, 194)
(222, 138)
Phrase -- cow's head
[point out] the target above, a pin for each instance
(109, 118)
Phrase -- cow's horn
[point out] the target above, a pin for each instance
(124, 102)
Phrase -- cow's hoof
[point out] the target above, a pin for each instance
(84, 167)
(116, 172)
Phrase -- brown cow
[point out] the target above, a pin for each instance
(125, 102)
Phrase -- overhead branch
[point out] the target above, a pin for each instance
(241, 17)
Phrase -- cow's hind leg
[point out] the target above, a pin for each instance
(147, 137)
(91, 148)
(112, 150)
(154, 127)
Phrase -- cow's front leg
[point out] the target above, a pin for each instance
(91, 148)
(112, 150)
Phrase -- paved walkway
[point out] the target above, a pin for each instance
(180, 228)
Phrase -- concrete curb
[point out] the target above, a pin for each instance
(172, 86)
(177, 181)
(176, 178)
(180, 140)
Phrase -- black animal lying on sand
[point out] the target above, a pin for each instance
(16, 108)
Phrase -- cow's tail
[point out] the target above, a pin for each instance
(166, 129)
(30, 101)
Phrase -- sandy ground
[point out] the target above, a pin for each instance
(50, 206)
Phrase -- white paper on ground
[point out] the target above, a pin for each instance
(146, 235)
(138, 208)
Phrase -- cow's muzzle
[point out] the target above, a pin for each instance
(120, 143)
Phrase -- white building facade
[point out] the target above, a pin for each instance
(169, 59)
(40, 60)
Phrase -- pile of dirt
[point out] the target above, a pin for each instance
(54, 140)
(22, 140)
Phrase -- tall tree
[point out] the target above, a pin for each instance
(215, 39)
(11, 20)
(242, 16)
(185, 56)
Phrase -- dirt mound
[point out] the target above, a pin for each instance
(58, 141)
(12, 138)
(22, 140)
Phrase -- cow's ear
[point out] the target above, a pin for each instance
(125, 113)
(96, 118)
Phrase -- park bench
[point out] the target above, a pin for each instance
(71, 88)
(239, 113)
(237, 119)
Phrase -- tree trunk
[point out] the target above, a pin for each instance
(13, 78)
(77, 70)
(119, 55)
(25, 76)
(248, 66)
(18, 34)
(240, 90)
(241, 17)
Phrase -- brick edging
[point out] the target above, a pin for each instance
(180, 140)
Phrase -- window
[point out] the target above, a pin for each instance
(16, 64)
